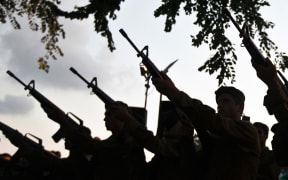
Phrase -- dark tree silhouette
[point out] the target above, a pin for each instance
(43, 16)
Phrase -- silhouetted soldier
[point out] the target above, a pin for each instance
(5, 170)
(124, 157)
(117, 157)
(76, 165)
(31, 160)
(234, 149)
(268, 168)
(173, 146)
(276, 102)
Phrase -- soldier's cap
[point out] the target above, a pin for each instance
(230, 90)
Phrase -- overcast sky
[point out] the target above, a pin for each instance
(118, 72)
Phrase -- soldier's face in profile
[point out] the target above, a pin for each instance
(113, 124)
(227, 106)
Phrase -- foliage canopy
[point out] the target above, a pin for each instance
(43, 16)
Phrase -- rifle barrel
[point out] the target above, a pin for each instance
(79, 75)
(130, 41)
(153, 70)
(12, 75)
(227, 12)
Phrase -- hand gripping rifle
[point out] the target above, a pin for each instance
(23, 142)
(139, 113)
(153, 70)
(67, 124)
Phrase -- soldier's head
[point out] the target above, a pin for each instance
(263, 131)
(230, 102)
(113, 123)
(263, 127)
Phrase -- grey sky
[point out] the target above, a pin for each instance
(15, 105)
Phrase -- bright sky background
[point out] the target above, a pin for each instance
(118, 72)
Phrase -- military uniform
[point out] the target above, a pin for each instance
(175, 156)
(231, 147)
(276, 102)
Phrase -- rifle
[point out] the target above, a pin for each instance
(251, 47)
(23, 142)
(139, 113)
(66, 123)
(153, 70)
(247, 41)
(254, 51)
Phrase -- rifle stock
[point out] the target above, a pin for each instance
(139, 113)
(153, 70)
(65, 123)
